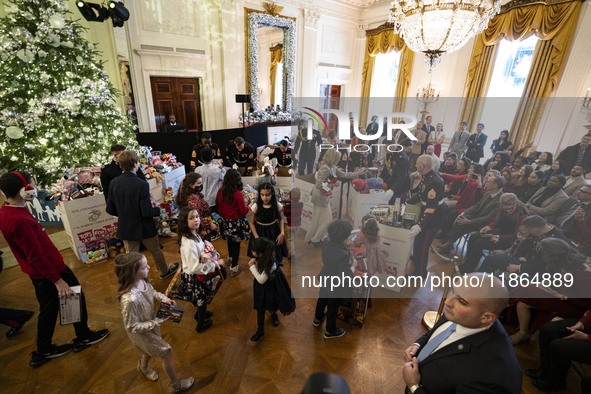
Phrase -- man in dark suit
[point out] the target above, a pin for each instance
(476, 144)
(172, 125)
(129, 200)
(468, 350)
(112, 170)
(577, 154)
(427, 128)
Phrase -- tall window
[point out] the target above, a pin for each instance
(385, 74)
(510, 72)
(512, 67)
(383, 83)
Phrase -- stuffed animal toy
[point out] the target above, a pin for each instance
(327, 186)
(366, 186)
(168, 194)
(363, 186)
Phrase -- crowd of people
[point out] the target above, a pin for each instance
(520, 215)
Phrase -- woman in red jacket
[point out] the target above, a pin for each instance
(233, 210)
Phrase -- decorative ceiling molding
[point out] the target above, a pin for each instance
(509, 5)
(311, 17)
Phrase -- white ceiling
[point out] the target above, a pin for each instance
(361, 3)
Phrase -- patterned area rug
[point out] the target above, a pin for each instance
(59, 239)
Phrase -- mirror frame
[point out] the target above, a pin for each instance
(256, 19)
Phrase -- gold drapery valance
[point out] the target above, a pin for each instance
(276, 58)
(554, 25)
(383, 40)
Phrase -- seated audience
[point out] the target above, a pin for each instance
(498, 234)
(538, 230)
(452, 187)
(519, 179)
(536, 304)
(544, 162)
(557, 168)
(575, 224)
(561, 343)
(467, 191)
(430, 151)
(516, 165)
(498, 162)
(547, 202)
(450, 165)
(478, 215)
(534, 183)
(575, 180)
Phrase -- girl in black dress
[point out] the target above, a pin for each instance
(270, 288)
(266, 221)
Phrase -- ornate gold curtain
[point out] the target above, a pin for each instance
(276, 58)
(383, 40)
(554, 26)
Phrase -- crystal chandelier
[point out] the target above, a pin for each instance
(435, 27)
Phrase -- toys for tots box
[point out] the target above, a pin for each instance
(91, 230)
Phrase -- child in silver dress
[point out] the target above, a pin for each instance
(139, 318)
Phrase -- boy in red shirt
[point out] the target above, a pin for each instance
(39, 258)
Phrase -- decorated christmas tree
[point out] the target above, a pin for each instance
(58, 109)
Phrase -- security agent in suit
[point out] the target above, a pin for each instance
(112, 170)
(129, 200)
(429, 193)
(478, 356)
(476, 144)
(304, 149)
(172, 125)
(205, 143)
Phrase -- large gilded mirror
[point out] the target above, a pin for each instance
(281, 74)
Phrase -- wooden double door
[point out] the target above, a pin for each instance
(178, 96)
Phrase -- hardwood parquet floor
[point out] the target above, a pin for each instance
(222, 359)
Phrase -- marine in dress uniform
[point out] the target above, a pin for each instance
(429, 194)
(243, 155)
(283, 155)
(205, 142)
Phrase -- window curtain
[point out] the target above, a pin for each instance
(276, 58)
(554, 26)
(383, 40)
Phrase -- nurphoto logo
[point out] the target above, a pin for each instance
(398, 125)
